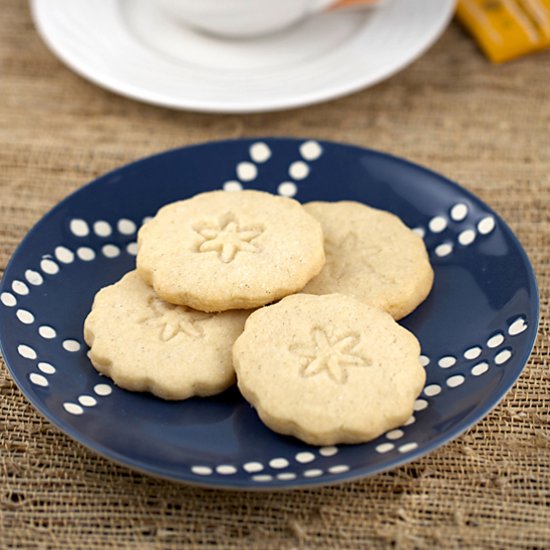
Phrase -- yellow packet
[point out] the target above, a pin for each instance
(506, 29)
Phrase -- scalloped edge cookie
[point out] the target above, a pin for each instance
(328, 369)
(371, 255)
(230, 250)
(145, 344)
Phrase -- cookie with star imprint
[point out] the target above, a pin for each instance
(372, 255)
(146, 344)
(328, 369)
(230, 250)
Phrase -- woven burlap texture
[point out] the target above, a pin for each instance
(482, 125)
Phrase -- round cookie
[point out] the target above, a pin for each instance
(230, 250)
(146, 344)
(372, 255)
(328, 369)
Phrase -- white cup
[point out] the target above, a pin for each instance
(242, 18)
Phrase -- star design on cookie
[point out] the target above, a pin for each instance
(340, 255)
(349, 253)
(333, 356)
(173, 320)
(228, 238)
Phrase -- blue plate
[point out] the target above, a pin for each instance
(477, 327)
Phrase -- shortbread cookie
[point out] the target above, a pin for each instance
(146, 344)
(229, 250)
(328, 369)
(372, 255)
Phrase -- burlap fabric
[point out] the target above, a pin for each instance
(484, 126)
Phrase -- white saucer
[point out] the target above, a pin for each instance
(132, 48)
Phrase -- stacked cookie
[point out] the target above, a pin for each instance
(326, 363)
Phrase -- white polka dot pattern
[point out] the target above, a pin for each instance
(310, 150)
(278, 463)
(472, 353)
(102, 228)
(395, 434)
(226, 469)
(246, 171)
(447, 362)
(503, 356)
(385, 447)
(84, 400)
(26, 317)
(253, 467)
(305, 457)
(287, 189)
(314, 472)
(49, 266)
(8, 299)
(443, 250)
(466, 237)
(85, 254)
(437, 224)
(110, 250)
(459, 212)
(103, 389)
(432, 390)
(19, 287)
(420, 405)
(38, 380)
(71, 345)
(232, 186)
(517, 326)
(46, 368)
(26, 351)
(455, 381)
(262, 477)
(328, 451)
(33, 277)
(339, 469)
(73, 408)
(480, 368)
(126, 226)
(87, 400)
(64, 255)
(201, 470)
(260, 152)
(495, 340)
(407, 447)
(47, 332)
(79, 228)
(298, 170)
(486, 225)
